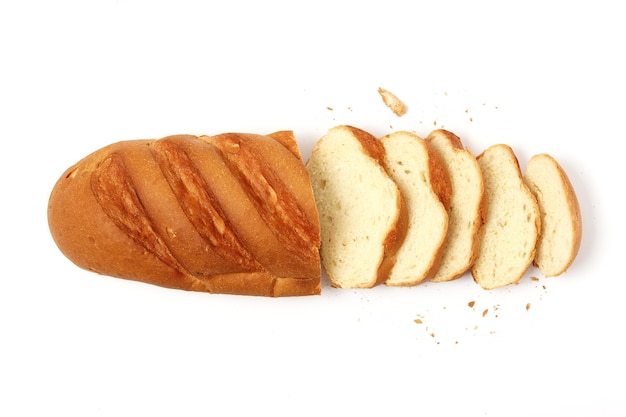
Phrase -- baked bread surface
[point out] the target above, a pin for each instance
(232, 213)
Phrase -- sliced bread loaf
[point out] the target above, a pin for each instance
(425, 186)
(361, 210)
(561, 224)
(512, 221)
(465, 215)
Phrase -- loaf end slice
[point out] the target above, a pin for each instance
(561, 222)
(512, 221)
(360, 207)
(465, 215)
(425, 186)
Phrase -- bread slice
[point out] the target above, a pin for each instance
(465, 215)
(512, 221)
(360, 207)
(424, 183)
(561, 224)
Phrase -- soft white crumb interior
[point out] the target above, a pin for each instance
(357, 204)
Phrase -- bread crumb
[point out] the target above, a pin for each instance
(418, 321)
(392, 101)
(329, 108)
(527, 306)
(471, 303)
(485, 312)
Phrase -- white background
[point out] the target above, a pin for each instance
(539, 76)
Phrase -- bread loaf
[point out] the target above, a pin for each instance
(512, 221)
(232, 213)
(425, 185)
(242, 214)
(561, 224)
(362, 214)
(465, 216)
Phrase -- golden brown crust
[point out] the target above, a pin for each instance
(172, 212)
(257, 169)
(574, 209)
(371, 145)
(288, 140)
(453, 139)
(439, 176)
(394, 241)
(200, 203)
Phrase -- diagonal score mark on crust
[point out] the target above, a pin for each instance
(114, 191)
(200, 205)
(275, 203)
